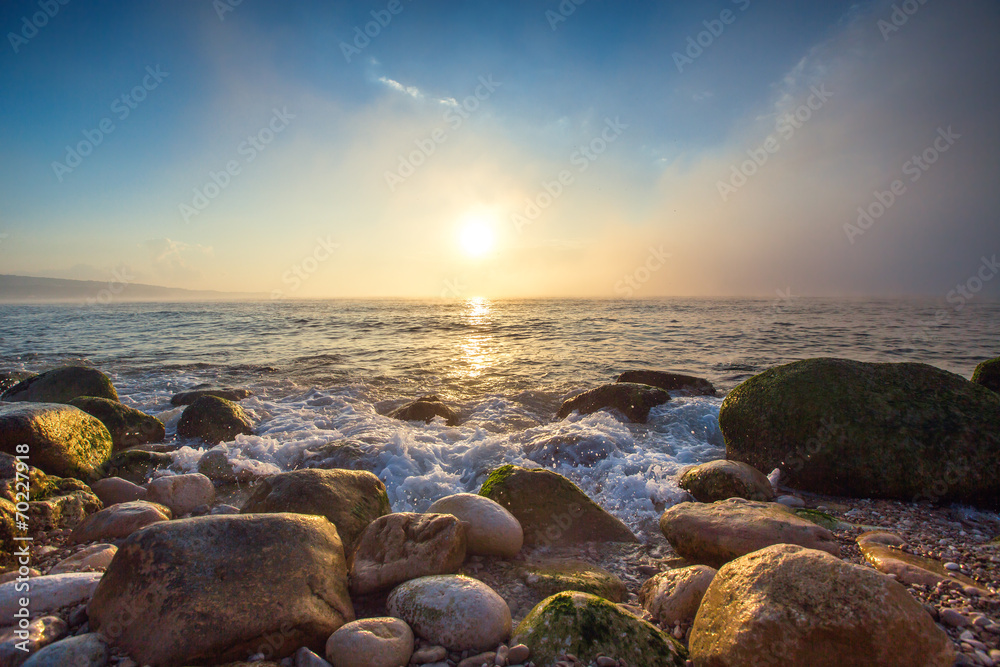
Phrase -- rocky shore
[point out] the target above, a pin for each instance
(852, 523)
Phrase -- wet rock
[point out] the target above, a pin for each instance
(555, 575)
(786, 605)
(136, 465)
(716, 533)
(865, 430)
(632, 400)
(65, 511)
(551, 509)
(720, 480)
(63, 440)
(425, 409)
(881, 537)
(491, 530)
(62, 385)
(453, 611)
(95, 558)
(398, 547)
(128, 427)
(686, 384)
(49, 593)
(371, 642)
(88, 650)
(193, 590)
(228, 393)
(10, 378)
(41, 632)
(215, 465)
(988, 374)
(214, 420)
(114, 490)
(181, 493)
(350, 499)
(306, 658)
(910, 569)
(675, 595)
(119, 521)
(585, 626)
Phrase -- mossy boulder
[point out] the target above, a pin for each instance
(128, 427)
(988, 374)
(135, 465)
(62, 385)
(900, 431)
(685, 384)
(721, 479)
(551, 576)
(425, 409)
(586, 626)
(10, 378)
(350, 499)
(228, 393)
(819, 518)
(61, 440)
(551, 509)
(631, 399)
(214, 420)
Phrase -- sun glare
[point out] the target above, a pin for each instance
(477, 237)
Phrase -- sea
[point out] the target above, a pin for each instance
(325, 374)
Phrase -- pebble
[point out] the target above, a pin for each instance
(954, 567)
(953, 618)
(518, 653)
(429, 654)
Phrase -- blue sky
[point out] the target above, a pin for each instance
(327, 206)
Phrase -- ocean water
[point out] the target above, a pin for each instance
(328, 371)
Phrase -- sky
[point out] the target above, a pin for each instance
(583, 148)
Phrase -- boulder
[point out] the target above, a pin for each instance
(555, 575)
(228, 393)
(491, 529)
(371, 642)
(910, 569)
(48, 593)
(62, 385)
(674, 596)
(94, 558)
(425, 409)
(64, 511)
(114, 490)
(632, 400)
(218, 588)
(87, 650)
(53, 502)
(136, 465)
(883, 537)
(119, 521)
(214, 420)
(786, 605)
(850, 428)
(8, 531)
(10, 378)
(398, 547)
(62, 440)
(587, 626)
(181, 493)
(41, 632)
(686, 384)
(552, 510)
(215, 465)
(721, 479)
(716, 533)
(350, 499)
(453, 611)
(128, 427)
(988, 374)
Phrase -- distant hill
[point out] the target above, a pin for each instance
(27, 289)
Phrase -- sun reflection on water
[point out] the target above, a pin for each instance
(477, 350)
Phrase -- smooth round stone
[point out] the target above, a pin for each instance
(371, 642)
(93, 558)
(114, 490)
(87, 650)
(49, 593)
(453, 611)
(492, 531)
(181, 493)
(675, 595)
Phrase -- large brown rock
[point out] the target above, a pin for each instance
(62, 385)
(398, 547)
(425, 409)
(350, 499)
(551, 509)
(218, 588)
(686, 384)
(716, 533)
(721, 479)
(61, 440)
(128, 427)
(632, 400)
(228, 393)
(674, 596)
(786, 605)
(119, 521)
(988, 374)
(214, 420)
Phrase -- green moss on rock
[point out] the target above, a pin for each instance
(819, 518)
(135, 465)
(720, 480)
(128, 427)
(214, 420)
(988, 374)
(61, 385)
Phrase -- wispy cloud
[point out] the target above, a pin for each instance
(412, 91)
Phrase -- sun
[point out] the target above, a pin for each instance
(477, 237)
